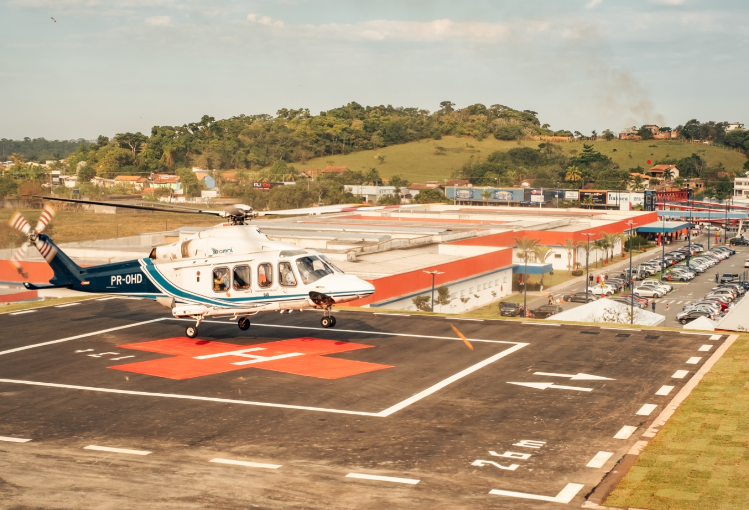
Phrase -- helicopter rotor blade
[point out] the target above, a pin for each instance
(19, 223)
(131, 206)
(19, 254)
(47, 250)
(47, 214)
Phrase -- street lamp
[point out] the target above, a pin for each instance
(631, 277)
(433, 273)
(525, 283)
(587, 265)
(556, 195)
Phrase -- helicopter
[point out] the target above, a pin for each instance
(229, 270)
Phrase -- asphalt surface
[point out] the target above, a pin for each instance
(683, 293)
(400, 397)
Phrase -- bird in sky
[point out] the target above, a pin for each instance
(53, 19)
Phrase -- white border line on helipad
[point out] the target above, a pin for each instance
(245, 463)
(116, 450)
(362, 476)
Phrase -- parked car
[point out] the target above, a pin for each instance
(601, 290)
(637, 298)
(685, 317)
(579, 297)
(728, 277)
(655, 283)
(507, 309)
(739, 241)
(546, 311)
(648, 292)
(628, 301)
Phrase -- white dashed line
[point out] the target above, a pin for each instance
(116, 450)
(107, 298)
(705, 347)
(25, 311)
(462, 319)
(395, 314)
(410, 481)
(66, 305)
(665, 390)
(625, 432)
(541, 324)
(715, 337)
(693, 361)
(14, 439)
(246, 463)
(646, 409)
(599, 460)
(680, 374)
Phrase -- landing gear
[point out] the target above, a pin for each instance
(191, 331)
(328, 321)
(244, 323)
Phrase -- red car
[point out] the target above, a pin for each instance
(643, 301)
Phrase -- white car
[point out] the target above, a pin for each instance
(598, 290)
(656, 283)
(648, 291)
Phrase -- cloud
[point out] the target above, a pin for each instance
(668, 2)
(159, 21)
(264, 20)
(592, 3)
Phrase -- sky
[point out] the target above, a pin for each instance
(81, 68)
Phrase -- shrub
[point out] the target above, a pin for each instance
(578, 272)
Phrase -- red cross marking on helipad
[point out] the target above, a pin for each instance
(196, 358)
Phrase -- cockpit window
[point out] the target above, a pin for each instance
(330, 263)
(312, 269)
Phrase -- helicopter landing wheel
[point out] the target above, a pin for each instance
(191, 331)
(327, 322)
(244, 323)
(332, 321)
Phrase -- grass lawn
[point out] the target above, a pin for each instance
(700, 459)
(71, 226)
(37, 304)
(422, 161)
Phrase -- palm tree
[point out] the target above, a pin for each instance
(573, 174)
(571, 248)
(599, 245)
(626, 181)
(668, 175)
(525, 246)
(620, 237)
(542, 253)
(588, 200)
(637, 183)
(609, 240)
(511, 177)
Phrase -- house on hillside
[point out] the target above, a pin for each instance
(463, 183)
(228, 177)
(370, 194)
(134, 181)
(205, 177)
(165, 181)
(644, 181)
(70, 181)
(335, 169)
(101, 181)
(733, 125)
(657, 171)
(416, 187)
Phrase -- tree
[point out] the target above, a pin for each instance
(381, 158)
(446, 107)
(508, 132)
(443, 296)
(608, 241)
(668, 175)
(542, 253)
(637, 183)
(599, 245)
(422, 303)
(86, 173)
(398, 181)
(608, 135)
(588, 201)
(7, 187)
(524, 246)
(571, 247)
(372, 177)
(465, 300)
(645, 133)
(133, 141)
(430, 196)
(189, 182)
(389, 199)
(573, 174)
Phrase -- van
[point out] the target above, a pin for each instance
(746, 263)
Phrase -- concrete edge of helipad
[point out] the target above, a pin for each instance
(600, 492)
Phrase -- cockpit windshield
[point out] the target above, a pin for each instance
(330, 263)
(312, 269)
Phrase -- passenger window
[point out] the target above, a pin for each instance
(312, 269)
(242, 278)
(221, 281)
(264, 275)
(286, 275)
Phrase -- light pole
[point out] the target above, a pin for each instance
(725, 224)
(689, 232)
(433, 273)
(631, 277)
(556, 195)
(525, 284)
(663, 246)
(587, 265)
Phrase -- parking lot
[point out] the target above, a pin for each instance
(683, 293)
(105, 404)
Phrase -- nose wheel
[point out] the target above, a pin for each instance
(328, 321)
(191, 331)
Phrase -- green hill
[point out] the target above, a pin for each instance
(429, 159)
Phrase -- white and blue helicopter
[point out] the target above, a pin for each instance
(230, 270)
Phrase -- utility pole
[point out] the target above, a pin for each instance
(631, 277)
(587, 265)
(525, 284)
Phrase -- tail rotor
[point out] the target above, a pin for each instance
(47, 250)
